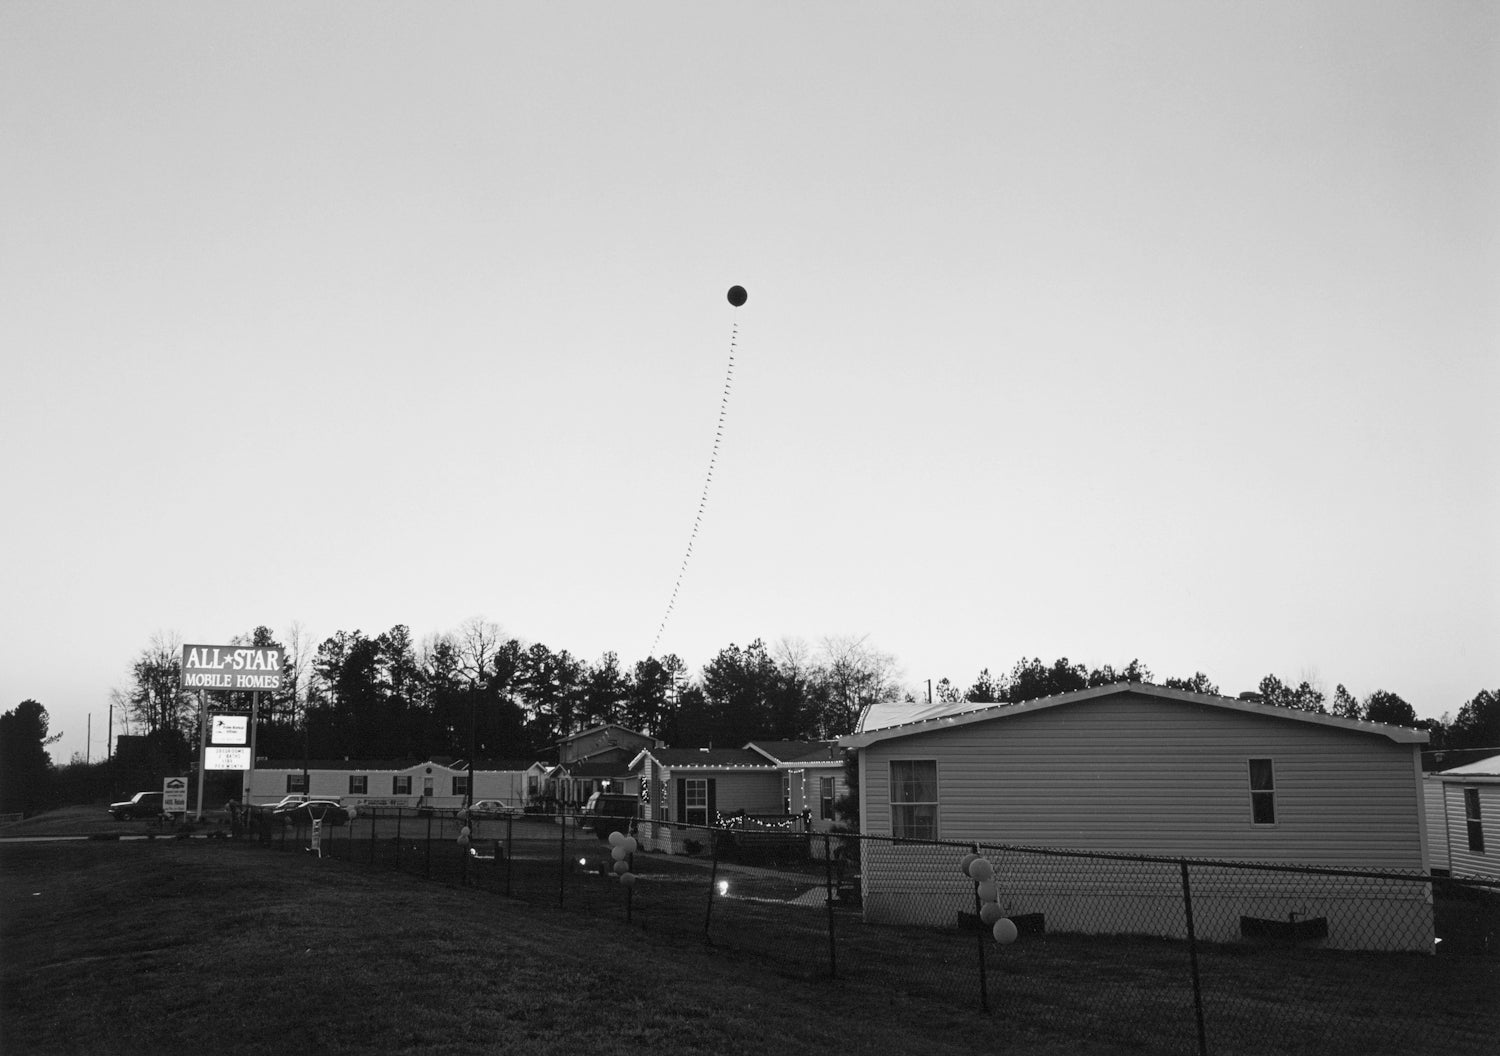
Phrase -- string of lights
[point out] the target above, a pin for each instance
(737, 297)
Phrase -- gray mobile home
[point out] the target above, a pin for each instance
(1134, 768)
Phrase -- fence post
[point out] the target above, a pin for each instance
(713, 885)
(372, 837)
(464, 855)
(833, 953)
(510, 828)
(984, 979)
(399, 812)
(562, 855)
(427, 869)
(1187, 905)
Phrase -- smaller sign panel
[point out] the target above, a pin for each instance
(229, 729)
(226, 758)
(174, 795)
(231, 667)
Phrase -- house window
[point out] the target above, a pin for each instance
(359, 784)
(914, 799)
(696, 809)
(296, 782)
(460, 784)
(1473, 820)
(1262, 792)
(401, 785)
(825, 798)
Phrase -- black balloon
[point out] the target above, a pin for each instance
(738, 296)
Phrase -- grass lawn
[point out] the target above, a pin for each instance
(168, 946)
(200, 946)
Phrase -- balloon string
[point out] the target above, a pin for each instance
(713, 460)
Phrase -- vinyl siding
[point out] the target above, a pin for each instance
(1464, 861)
(753, 791)
(1146, 775)
(807, 791)
(756, 792)
(1437, 824)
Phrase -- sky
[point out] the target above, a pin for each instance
(1153, 330)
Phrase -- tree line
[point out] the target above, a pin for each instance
(478, 692)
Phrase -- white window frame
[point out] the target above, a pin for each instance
(401, 785)
(1474, 819)
(359, 784)
(695, 810)
(826, 795)
(910, 817)
(1262, 795)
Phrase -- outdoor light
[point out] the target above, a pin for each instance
(723, 887)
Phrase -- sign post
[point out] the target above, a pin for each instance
(249, 669)
(174, 795)
(202, 750)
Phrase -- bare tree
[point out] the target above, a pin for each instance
(478, 643)
(298, 672)
(156, 698)
(852, 675)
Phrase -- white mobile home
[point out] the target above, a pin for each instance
(1139, 769)
(1469, 797)
(812, 778)
(397, 783)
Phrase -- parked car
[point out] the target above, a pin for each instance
(140, 805)
(329, 811)
(607, 812)
(493, 808)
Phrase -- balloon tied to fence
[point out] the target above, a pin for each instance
(620, 849)
(979, 870)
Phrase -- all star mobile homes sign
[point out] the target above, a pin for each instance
(231, 668)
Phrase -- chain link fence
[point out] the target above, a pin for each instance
(1171, 955)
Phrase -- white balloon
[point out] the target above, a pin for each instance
(990, 912)
(628, 879)
(618, 853)
(966, 861)
(629, 844)
(615, 838)
(989, 891)
(1005, 931)
(981, 869)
